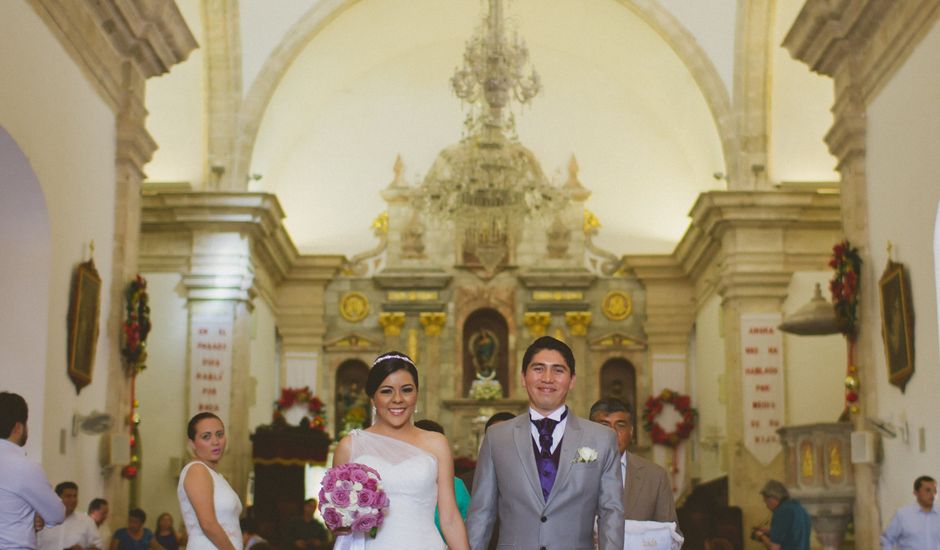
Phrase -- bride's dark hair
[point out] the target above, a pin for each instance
(386, 364)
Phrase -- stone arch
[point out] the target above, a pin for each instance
(26, 249)
(485, 323)
(350, 391)
(618, 379)
(256, 101)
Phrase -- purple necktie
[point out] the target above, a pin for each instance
(545, 460)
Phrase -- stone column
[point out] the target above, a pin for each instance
(301, 321)
(537, 323)
(392, 323)
(222, 47)
(219, 288)
(433, 323)
(744, 247)
(578, 323)
(861, 50)
(120, 54)
(753, 46)
(670, 313)
(758, 294)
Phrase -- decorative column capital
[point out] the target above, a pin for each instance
(433, 322)
(537, 322)
(578, 322)
(392, 322)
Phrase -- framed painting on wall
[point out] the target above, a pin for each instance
(84, 306)
(897, 324)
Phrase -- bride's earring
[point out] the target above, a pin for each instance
(374, 415)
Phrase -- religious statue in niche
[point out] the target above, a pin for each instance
(484, 348)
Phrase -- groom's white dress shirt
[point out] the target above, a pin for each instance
(559, 428)
(24, 492)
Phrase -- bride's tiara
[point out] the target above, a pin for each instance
(404, 358)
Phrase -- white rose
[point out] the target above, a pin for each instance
(586, 454)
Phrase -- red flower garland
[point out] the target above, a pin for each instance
(653, 408)
(136, 325)
(847, 264)
(295, 396)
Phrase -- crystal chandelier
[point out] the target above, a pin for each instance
(489, 184)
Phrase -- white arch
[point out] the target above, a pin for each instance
(26, 252)
(256, 101)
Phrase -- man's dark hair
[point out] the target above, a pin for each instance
(501, 416)
(139, 514)
(96, 504)
(60, 488)
(921, 480)
(13, 409)
(547, 342)
(610, 405)
(430, 426)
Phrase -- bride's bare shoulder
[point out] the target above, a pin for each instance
(435, 443)
(343, 450)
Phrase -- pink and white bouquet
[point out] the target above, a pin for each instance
(351, 497)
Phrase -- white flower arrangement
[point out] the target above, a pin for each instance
(585, 454)
(486, 390)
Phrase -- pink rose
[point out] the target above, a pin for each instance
(329, 480)
(340, 497)
(364, 523)
(358, 476)
(343, 473)
(381, 500)
(366, 498)
(345, 485)
(371, 484)
(332, 518)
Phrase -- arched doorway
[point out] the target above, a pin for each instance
(350, 397)
(618, 380)
(486, 348)
(26, 249)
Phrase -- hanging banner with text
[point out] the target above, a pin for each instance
(762, 383)
(210, 366)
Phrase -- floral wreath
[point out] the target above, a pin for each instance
(136, 325)
(844, 286)
(653, 408)
(299, 396)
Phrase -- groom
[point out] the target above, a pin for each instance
(547, 473)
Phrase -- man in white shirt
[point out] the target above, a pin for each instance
(77, 532)
(98, 511)
(24, 487)
(916, 526)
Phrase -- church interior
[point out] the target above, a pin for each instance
(236, 205)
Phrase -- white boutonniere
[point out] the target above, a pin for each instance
(585, 454)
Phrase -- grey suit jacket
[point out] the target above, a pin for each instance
(506, 484)
(648, 492)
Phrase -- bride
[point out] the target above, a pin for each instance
(416, 465)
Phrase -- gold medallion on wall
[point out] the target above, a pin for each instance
(617, 306)
(354, 306)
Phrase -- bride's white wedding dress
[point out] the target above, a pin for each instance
(409, 478)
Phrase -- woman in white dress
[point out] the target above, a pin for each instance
(416, 466)
(210, 507)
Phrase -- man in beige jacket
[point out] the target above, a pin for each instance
(647, 492)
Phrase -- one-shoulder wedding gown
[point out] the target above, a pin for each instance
(409, 478)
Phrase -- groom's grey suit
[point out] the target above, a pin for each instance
(506, 483)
